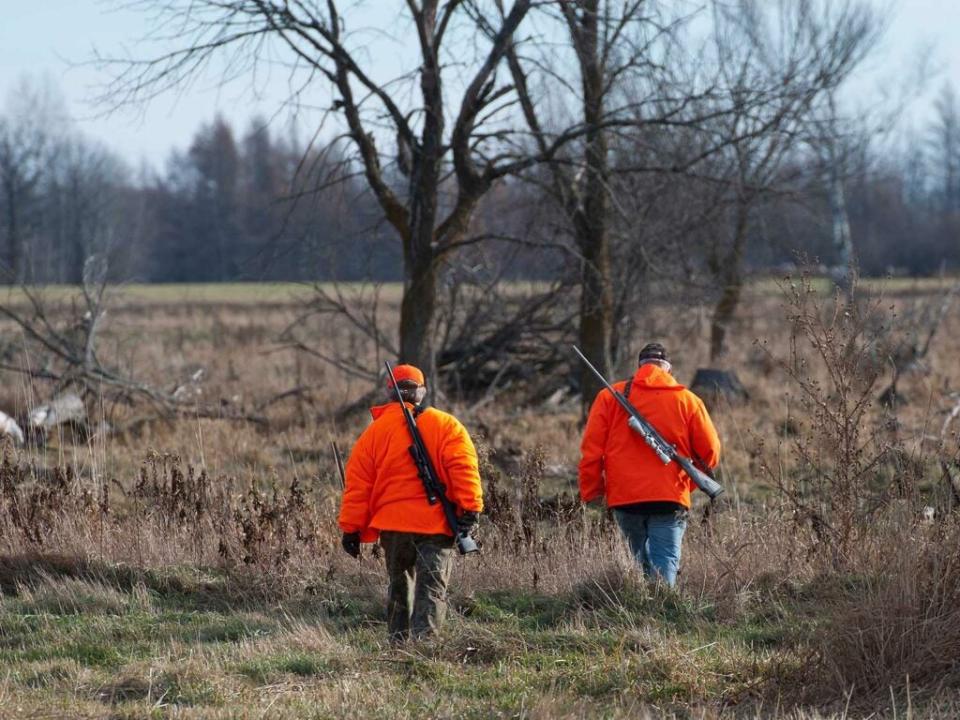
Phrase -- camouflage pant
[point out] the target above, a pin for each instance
(419, 568)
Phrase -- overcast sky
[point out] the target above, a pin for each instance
(56, 38)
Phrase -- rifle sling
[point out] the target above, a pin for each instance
(417, 410)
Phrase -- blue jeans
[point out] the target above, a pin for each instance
(654, 540)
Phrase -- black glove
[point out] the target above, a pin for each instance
(467, 522)
(351, 544)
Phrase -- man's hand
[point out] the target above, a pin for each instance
(351, 544)
(467, 522)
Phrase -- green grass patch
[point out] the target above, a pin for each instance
(88, 653)
(271, 668)
(602, 645)
(526, 611)
(164, 688)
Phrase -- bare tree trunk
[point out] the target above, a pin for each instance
(837, 161)
(417, 314)
(842, 240)
(12, 251)
(418, 308)
(596, 310)
(590, 219)
(732, 277)
(723, 314)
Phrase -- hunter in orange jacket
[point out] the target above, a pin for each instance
(383, 490)
(650, 500)
(617, 463)
(384, 498)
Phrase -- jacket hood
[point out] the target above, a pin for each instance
(653, 377)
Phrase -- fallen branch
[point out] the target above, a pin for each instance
(71, 358)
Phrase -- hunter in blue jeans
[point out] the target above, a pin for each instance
(654, 537)
(649, 499)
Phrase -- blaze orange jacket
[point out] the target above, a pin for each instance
(617, 463)
(383, 490)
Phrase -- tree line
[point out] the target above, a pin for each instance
(235, 206)
(229, 206)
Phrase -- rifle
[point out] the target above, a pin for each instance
(428, 474)
(664, 450)
(343, 474)
(339, 458)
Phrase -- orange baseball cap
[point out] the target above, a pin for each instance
(406, 372)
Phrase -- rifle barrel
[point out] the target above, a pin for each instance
(596, 372)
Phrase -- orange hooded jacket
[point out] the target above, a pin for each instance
(616, 462)
(383, 490)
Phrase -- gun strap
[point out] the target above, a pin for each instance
(626, 389)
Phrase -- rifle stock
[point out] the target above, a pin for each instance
(703, 481)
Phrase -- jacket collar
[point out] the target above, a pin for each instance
(378, 410)
(653, 377)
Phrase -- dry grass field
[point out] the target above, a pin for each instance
(190, 567)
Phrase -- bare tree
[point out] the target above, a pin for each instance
(80, 200)
(27, 130)
(944, 148)
(61, 350)
(612, 45)
(20, 172)
(214, 157)
(656, 109)
(809, 52)
(429, 185)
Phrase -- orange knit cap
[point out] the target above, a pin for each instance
(406, 372)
